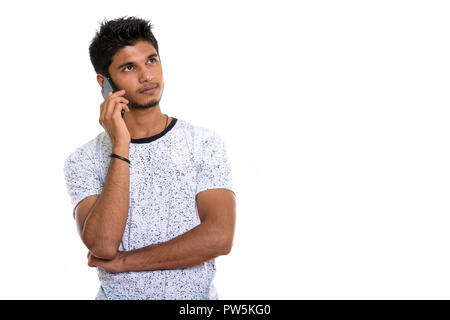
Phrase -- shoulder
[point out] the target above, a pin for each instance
(196, 132)
(89, 151)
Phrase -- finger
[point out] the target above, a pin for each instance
(117, 109)
(103, 107)
(117, 93)
(121, 99)
(117, 101)
(112, 95)
(106, 108)
(101, 118)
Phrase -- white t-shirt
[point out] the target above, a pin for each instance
(167, 171)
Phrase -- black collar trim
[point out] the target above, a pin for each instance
(157, 136)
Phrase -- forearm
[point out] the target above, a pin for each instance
(104, 226)
(194, 247)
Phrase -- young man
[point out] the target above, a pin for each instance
(152, 194)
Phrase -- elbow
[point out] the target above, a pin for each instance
(101, 250)
(100, 247)
(225, 246)
(106, 253)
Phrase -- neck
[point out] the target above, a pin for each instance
(142, 123)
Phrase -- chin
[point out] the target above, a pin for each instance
(146, 105)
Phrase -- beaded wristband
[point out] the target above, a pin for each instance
(119, 157)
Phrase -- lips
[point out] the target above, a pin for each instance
(148, 89)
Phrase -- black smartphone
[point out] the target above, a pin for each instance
(107, 88)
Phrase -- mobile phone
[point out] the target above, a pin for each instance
(107, 88)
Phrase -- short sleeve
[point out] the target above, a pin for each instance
(82, 178)
(213, 170)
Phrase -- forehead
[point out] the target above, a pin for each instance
(140, 51)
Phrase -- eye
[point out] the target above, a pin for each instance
(126, 68)
(153, 60)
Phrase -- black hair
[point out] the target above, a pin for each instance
(116, 34)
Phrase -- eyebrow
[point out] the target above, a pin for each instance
(131, 63)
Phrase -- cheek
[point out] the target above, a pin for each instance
(161, 82)
(159, 75)
(124, 84)
(131, 87)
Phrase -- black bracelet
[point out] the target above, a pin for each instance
(119, 157)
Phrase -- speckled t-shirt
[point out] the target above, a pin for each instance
(167, 171)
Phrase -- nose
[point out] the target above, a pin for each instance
(145, 76)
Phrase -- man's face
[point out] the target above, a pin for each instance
(137, 69)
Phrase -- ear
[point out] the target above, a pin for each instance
(100, 79)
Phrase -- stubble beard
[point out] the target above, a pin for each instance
(149, 105)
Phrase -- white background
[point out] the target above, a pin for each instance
(336, 119)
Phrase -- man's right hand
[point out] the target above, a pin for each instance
(111, 118)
